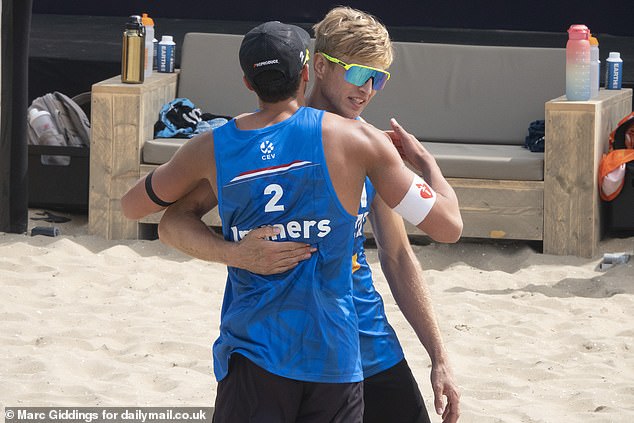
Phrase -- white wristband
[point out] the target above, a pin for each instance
(417, 203)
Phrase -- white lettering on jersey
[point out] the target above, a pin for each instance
(324, 228)
(292, 230)
(364, 197)
(358, 225)
(238, 235)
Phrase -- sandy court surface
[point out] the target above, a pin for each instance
(532, 337)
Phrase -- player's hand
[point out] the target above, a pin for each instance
(410, 149)
(264, 257)
(444, 386)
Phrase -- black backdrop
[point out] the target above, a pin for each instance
(77, 43)
(608, 17)
(16, 18)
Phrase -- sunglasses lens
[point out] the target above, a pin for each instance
(359, 75)
(379, 81)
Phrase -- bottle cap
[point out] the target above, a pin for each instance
(593, 41)
(614, 55)
(578, 32)
(134, 22)
(167, 39)
(34, 114)
(146, 20)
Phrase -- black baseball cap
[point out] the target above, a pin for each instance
(274, 46)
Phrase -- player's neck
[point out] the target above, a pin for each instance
(277, 112)
(269, 114)
(317, 100)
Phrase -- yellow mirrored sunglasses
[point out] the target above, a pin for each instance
(359, 74)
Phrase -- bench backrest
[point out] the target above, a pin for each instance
(211, 76)
(440, 92)
(469, 94)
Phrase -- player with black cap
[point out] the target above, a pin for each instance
(288, 349)
(272, 56)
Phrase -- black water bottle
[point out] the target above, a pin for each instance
(133, 51)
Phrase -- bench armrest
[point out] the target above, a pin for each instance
(122, 119)
(576, 138)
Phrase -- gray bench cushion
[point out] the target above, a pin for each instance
(456, 160)
(160, 150)
(480, 161)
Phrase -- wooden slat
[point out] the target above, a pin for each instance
(501, 209)
(498, 209)
(100, 163)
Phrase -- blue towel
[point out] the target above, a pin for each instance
(180, 118)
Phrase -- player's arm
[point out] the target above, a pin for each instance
(435, 213)
(181, 227)
(193, 162)
(405, 278)
(412, 151)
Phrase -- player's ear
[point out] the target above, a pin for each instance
(247, 83)
(306, 73)
(319, 65)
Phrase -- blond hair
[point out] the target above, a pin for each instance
(347, 33)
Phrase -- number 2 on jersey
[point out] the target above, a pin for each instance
(276, 191)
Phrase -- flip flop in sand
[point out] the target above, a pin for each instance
(50, 217)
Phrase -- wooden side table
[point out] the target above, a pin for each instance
(576, 138)
(122, 119)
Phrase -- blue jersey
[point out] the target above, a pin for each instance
(300, 324)
(380, 349)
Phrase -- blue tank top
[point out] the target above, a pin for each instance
(380, 349)
(300, 324)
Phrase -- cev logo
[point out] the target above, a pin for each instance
(267, 147)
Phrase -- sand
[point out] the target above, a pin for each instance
(532, 337)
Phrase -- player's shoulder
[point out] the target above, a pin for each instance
(349, 128)
(199, 146)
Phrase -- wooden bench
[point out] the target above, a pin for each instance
(469, 105)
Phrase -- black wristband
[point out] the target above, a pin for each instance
(152, 194)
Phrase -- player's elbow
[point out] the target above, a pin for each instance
(454, 232)
(165, 229)
(164, 233)
(448, 231)
(128, 209)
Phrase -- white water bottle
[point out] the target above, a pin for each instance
(148, 23)
(166, 52)
(613, 71)
(46, 132)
